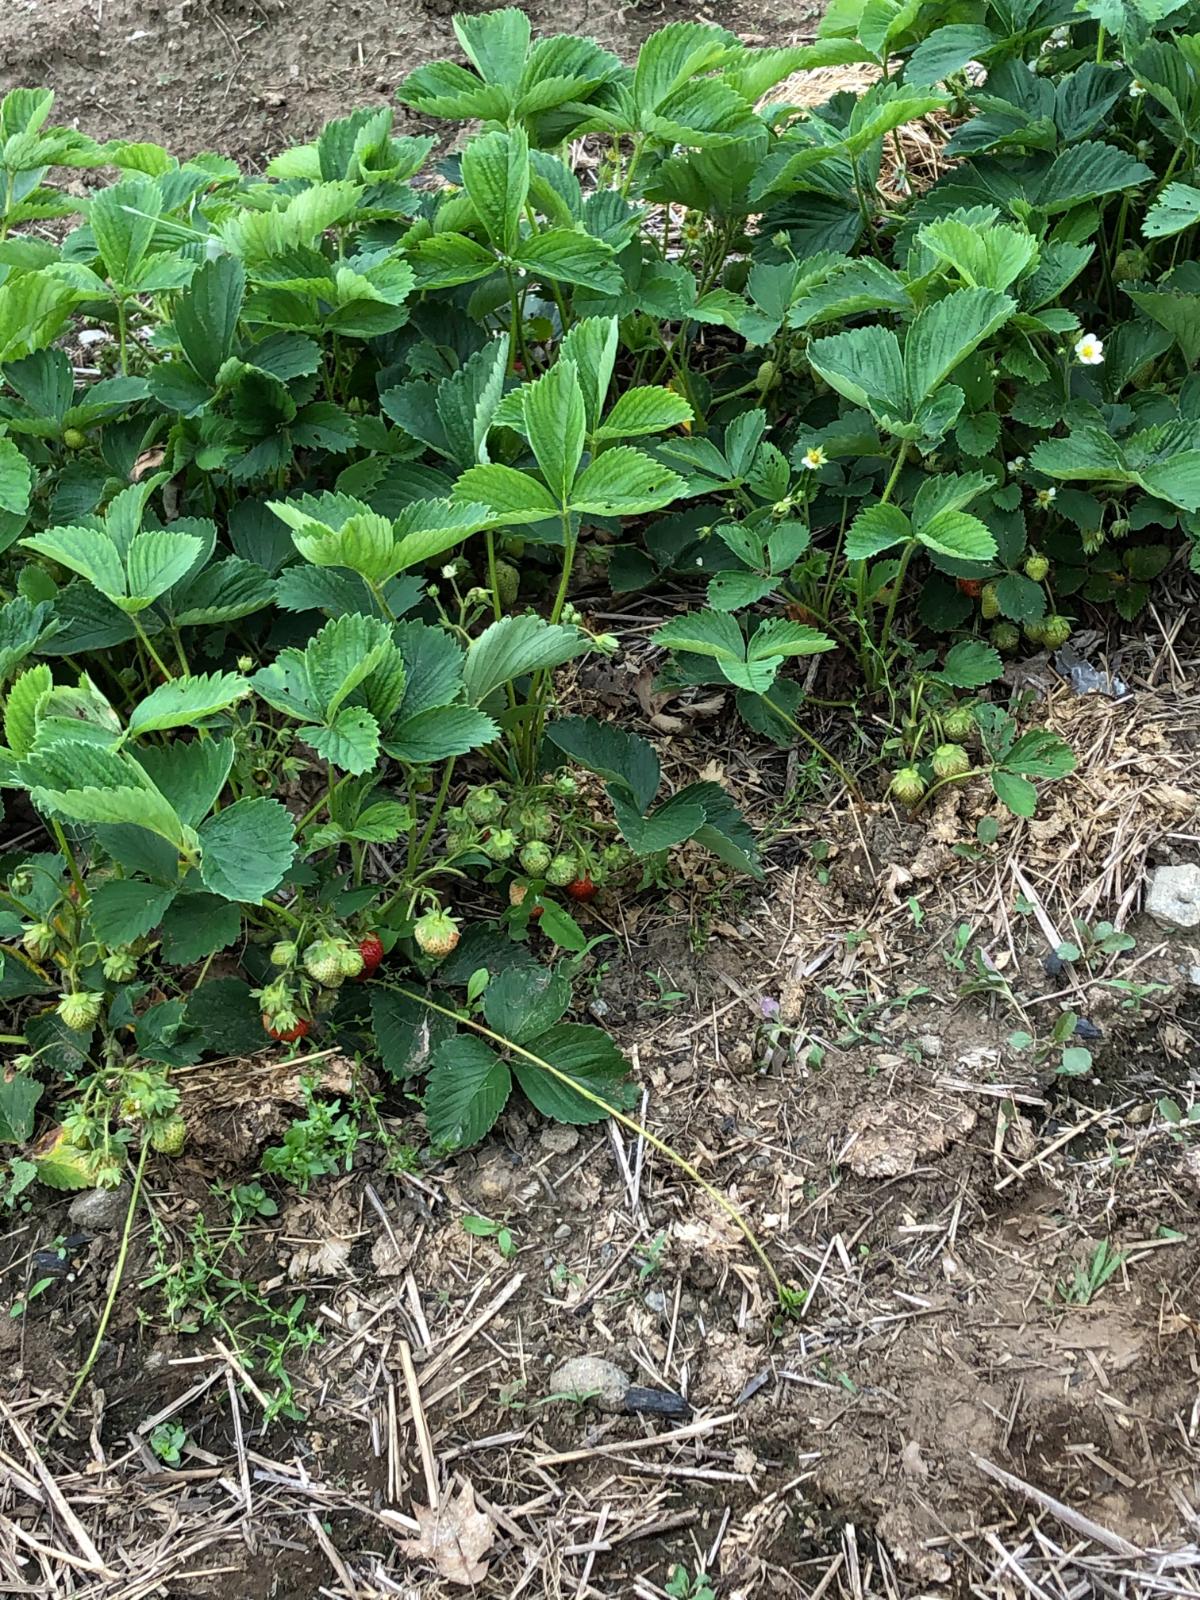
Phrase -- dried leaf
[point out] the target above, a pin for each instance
(455, 1538)
(323, 1258)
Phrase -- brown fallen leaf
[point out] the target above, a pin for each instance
(148, 461)
(455, 1538)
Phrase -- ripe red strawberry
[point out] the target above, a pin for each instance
(301, 1030)
(582, 889)
(971, 586)
(370, 948)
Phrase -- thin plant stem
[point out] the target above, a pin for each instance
(114, 1285)
(154, 655)
(60, 839)
(815, 744)
(784, 1294)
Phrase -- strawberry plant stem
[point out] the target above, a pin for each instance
(111, 1300)
(784, 1295)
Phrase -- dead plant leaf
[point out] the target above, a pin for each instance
(455, 1538)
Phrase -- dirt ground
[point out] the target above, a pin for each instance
(959, 1408)
(250, 77)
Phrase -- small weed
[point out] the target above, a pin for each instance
(684, 1585)
(1090, 1277)
(316, 1144)
(485, 1228)
(167, 1442)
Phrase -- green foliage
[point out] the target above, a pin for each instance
(292, 578)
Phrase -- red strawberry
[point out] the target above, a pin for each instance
(370, 948)
(301, 1030)
(582, 889)
(971, 586)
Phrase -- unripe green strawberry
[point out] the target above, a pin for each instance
(613, 857)
(1130, 264)
(535, 858)
(563, 869)
(508, 584)
(1035, 631)
(500, 844)
(565, 784)
(1006, 637)
(907, 785)
(352, 961)
(1056, 630)
(436, 933)
(959, 724)
(767, 376)
(535, 820)
(1036, 567)
(120, 966)
(283, 953)
(460, 838)
(39, 938)
(483, 805)
(950, 761)
(169, 1137)
(80, 1010)
(323, 961)
(989, 602)
(74, 438)
(21, 881)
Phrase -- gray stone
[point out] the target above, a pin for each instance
(1173, 897)
(1193, 977)
(100, 1210)
(591, 1378)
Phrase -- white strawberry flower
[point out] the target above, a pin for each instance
(1089, 350)
(1136, 90)
(1046, 498)
(813, 458)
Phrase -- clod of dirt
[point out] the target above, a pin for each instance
(493, 1183)
(559, 1139)
(591, 1378)
(890, 1139)
(1173, 897)
(100, 1210)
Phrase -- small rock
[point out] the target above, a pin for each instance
(559, 1139)
(100, 1210)
(656, 1301)
(1173, 896)
(598, 1009)
(1193, 977)
(912, 1462)
(929, 1044)
(591, 1378)
(563, 1231)
(1086, 1029)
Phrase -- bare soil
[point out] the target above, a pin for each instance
(250, 77)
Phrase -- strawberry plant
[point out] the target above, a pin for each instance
(284, 590)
